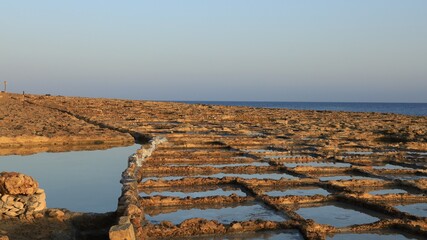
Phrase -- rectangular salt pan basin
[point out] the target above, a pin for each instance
(387, 191)
(163, 178)
(390, 166)
(301, 191)
(273, 176)
(260, 151)
(418, 153)
(286, 156)
(224, 215)
(373, 236)
(337, 214)
(359, 153)
(207, 193)
(417, 209)
(261, 235)
(318, 164)
(405, 177)
(344, 177)
(255, 164)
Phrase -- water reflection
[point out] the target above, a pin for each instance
(387, 191)
(373, 236)
(205, 191)
(318, 164)
(225, 215)
(274, 176)
(261, 235)
(300, 191)
(337, 214)
(417, 209)
(86, 181)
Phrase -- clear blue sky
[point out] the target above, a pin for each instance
(271, 50)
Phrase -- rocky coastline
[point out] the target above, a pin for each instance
(193, 145)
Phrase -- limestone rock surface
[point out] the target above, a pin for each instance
(17, 184)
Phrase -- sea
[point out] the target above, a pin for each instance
(414, 109)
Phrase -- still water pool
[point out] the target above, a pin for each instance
(223, 214)
(82, 181)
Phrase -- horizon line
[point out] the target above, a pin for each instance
(222, 101)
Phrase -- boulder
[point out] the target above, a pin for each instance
(17, 184)
(122, 232)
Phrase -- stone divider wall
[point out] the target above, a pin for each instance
(18, 205)
(129, 211)
(20, 196)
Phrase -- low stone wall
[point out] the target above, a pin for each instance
(130, 212)
(20, 196)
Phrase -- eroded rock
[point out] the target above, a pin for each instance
(17, 184)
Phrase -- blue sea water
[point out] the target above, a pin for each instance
(416, 109)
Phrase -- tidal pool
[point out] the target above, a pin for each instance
(82, 181)
(337, 215)
(223, 214)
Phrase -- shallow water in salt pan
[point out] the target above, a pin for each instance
(373, 236)
(262, 235)
(418, 153)
(360, 153)
(337, 214)
(318, 164)
(344, 177)
(387, 191)
(274, 176)
(198, 164)
(225, 215)
(300, 191)
(256, 164)
(405, 177)
(390, 166)
(287, 156)
(417, 209)
(207, 193)
(169, 178)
